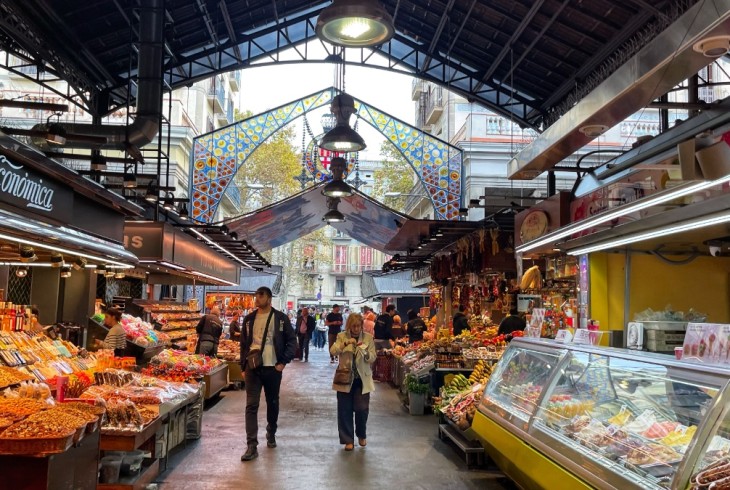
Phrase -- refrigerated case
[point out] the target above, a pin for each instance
(602, 417)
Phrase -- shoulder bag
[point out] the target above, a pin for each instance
(255, 357)
(344, 373)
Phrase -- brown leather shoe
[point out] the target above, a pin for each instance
(362, 442)
(349, 447)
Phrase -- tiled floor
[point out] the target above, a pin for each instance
(403, 451)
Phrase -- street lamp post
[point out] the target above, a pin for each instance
(320, 280)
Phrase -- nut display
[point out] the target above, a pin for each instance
(9, 376)
(18, 408)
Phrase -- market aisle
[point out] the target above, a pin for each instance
(402, 449)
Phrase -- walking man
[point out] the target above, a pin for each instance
(334, 323)
(268, 339)
(305, 327)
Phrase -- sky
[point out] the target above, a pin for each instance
(267, 87)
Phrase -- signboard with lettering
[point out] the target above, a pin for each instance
(532, 332)
(420, 277)
(28, 190)
(146, 241)
(563, 336)
(582, 336)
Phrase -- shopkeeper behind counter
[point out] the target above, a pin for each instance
(116, 338)
(512, 323)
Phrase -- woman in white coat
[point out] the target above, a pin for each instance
(356, 350)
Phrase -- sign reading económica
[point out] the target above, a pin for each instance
(26, 189)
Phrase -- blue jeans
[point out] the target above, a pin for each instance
(319, 338)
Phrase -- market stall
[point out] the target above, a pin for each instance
(602, 417)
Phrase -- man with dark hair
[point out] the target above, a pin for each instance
(461, 323)
(384, 328)
(334, 322)
(512, 323)
(305, 327)
(266, 332)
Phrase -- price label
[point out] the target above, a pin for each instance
(564, 336)
(532, 332)
(582, 336)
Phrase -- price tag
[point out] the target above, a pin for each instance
(533, 332)
(564, 336)
(582, 336)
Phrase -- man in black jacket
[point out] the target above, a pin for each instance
(305, 328)
(277, 349)
(384, 328)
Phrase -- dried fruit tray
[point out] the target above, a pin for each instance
(36, 445)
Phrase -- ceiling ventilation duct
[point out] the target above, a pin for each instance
(149, 91)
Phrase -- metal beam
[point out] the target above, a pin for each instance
(508, 46)
(437, 35)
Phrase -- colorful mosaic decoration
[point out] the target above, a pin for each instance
(218, 155)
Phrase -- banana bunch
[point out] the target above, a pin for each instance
(482, 372)
(460, 382)
(531, 279)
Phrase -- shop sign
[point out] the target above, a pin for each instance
(582, 336)
(533, 332)
(26, 189)
(420, 277)
(192, 254)
(633, 188)
(563, 336)
(146, 241)
(534, 226)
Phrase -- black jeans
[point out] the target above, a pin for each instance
(347, 403)
(303, 340)
(332, 338)
(269, 379)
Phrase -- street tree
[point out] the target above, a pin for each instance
(394, 175)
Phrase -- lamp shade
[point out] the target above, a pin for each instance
(342, 138)
(355, 23)
(337, 188)
(130, 180)
(333, 216)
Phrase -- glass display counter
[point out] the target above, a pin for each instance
(611, 417)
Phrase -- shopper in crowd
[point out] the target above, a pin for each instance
(415, 327)
(384, 328)
(234, 329)
(511, 323)
(397, 328)
(334, 324)
(209, 330)
(356, 350)
(320, 333)
(305, 328)
(267, 335)
(345, 315)
(368, 323)
(116, 338)
(461, 323)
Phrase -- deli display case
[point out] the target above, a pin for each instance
(605, 418)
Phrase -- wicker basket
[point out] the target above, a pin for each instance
(36, 445)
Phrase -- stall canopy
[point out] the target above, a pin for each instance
(367, 220)
(375, 284)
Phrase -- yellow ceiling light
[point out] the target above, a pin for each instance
(355, 24)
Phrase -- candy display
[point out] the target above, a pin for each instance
(230, 350)
(142, 333)
(176, 365)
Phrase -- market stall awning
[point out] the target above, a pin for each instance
(374, 283)
(367, 220)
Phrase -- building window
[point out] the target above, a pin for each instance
(340, 264)
(339, 286)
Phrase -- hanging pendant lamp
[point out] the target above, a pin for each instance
(337, 187)
(355, 24)
(342, 138)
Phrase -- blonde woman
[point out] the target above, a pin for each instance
(356, 351)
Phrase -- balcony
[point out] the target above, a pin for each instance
(435, 105)
(221, 118)
(418, 87)
(234, 79)
(217, 94)
(230, 111)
